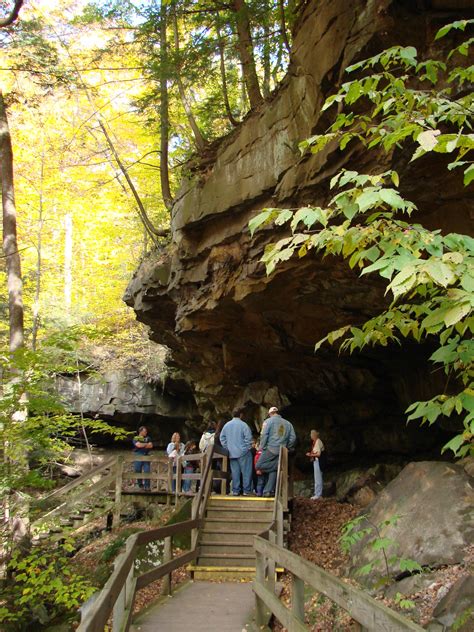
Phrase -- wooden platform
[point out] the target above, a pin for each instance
(200, 607)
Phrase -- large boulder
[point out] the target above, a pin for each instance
(456, 608)
(434, 502)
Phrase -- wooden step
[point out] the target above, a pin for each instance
(246, 502)
(226, 559)
(228, 535)
(223, 524)
(237, 515)
(229, 548)
(222, 573)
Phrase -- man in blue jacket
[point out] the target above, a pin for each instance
(236, 437)
(276, 432)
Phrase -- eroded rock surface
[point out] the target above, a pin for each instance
(434, 502)
(242, 338)
(128, 399)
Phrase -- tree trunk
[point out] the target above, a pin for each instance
(266, 50)
(68, 262)
(198, 137)
(35, 327)
(284, 33)
(12, 16)
(164, 112)
(245, 47)
(225, 92)
(10, 242)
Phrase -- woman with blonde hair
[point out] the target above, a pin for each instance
(174, 449)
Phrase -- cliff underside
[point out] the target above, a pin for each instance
(240, 337)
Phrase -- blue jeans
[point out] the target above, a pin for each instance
(261, 479)
(318, 479)
(241, 466)
(139, 467)
(188, 482)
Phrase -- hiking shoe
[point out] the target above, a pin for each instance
(316, 497)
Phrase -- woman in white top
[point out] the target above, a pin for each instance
(174, 449)
(316, 448)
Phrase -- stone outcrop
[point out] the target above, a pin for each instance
(434, 503)
(242, 338)
(127, 398)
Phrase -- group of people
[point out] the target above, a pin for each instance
(253, 462)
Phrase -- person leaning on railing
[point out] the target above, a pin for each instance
(142, 444)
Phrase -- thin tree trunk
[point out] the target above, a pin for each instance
(225, 92)
(164, 112)
(245, 47)
(284, 33)
(10, 242)
(68, 262)
(153, 232)
(35, 327)
(198, 137)
(266, 50)
(12, 16)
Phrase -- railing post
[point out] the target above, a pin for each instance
(259, 579)
(284, 482)
(279, 523)
(167, 552)
(224, 466)
(118, 491)
(271, 564)
(170, 481)
(297, 597)
(178, 479)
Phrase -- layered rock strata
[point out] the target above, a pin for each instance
(241, 337)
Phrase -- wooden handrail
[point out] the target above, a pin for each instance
(65, 489)
(270, 553)
(371, 614)
(118, 594)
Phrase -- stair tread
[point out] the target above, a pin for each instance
(229, 531)
(230, 556)
(231, 543)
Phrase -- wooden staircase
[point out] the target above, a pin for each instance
(226, 538)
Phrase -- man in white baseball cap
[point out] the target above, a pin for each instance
(276, 432)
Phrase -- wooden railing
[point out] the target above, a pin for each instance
(270, 554)
(116, 476)
(117, 597)
(366, 611)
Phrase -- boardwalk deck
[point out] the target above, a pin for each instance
(200, 607)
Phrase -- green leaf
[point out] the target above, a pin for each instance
(469, 175)
(392, 198)
(369, 198)
(456, 313)
(441, 273)
(259, 220)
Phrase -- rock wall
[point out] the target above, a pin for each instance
(124, 397)
(242, 338)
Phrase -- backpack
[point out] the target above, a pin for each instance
(207, 439)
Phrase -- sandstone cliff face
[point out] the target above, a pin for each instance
(126, 398)
(242, 338)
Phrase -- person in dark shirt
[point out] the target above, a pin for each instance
(142, 444)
